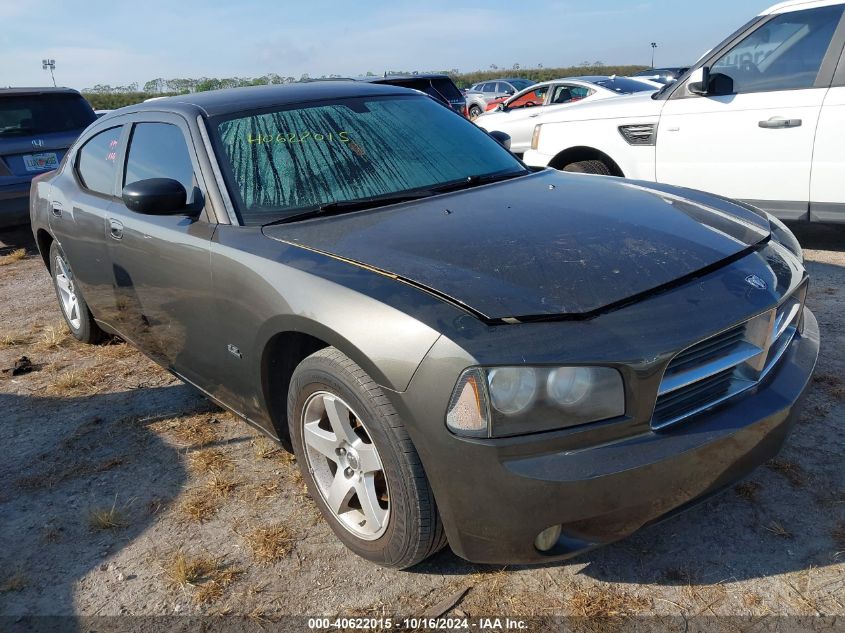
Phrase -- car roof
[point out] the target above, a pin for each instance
(36, 90)
(405, 77)
(217, 102)
(797, 5)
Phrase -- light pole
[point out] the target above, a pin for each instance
(653, 46)
(51, 64)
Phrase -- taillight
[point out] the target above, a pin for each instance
(465, 112)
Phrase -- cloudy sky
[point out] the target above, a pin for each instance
(118, 42)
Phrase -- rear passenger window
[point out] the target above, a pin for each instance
(158, 150)
(96, 164)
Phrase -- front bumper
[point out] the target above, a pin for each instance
(495, 496)
(14, 204)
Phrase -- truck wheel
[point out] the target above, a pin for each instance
(74, 309)
(588, 167)
(474, 111)
(359, 463)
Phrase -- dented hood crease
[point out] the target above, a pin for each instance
(545, 245)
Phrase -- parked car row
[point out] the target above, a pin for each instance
(518, 115)
(760, 118)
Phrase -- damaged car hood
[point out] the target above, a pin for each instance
(540, 246)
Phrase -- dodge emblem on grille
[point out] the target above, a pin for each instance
(755, 282)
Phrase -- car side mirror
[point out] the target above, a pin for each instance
(503, 139)
(699, 81)
(155, 196)
(510, 92)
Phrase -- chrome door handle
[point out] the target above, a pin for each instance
(778, 123)
(116, 229)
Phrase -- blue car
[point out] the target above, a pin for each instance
(37, 125)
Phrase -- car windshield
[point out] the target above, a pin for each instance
(521, 84)
(623, 85)
(289, 160)
(26, 115)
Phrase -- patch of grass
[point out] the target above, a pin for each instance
(221, 487)
(832, 385)
(15, 256)
(752, 600)
(603, 601)
(102, 518)
(209, 461)
(15, 582)
(193, 431)
(53, 337)
(789, 470)
(198, 506)
(264, 490)
(209, 577)
(748, 490)
(70, 383)
(266, 449)
(270, 544)
(777, 529)
(13, 339)
(116, 350)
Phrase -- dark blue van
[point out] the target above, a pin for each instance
(37, 125)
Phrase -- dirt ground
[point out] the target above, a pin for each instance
(122, 491)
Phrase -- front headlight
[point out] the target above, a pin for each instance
(785, 237)
(502, 401)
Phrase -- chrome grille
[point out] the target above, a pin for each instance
(726, 364)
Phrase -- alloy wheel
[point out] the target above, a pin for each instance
(345, 465)
(67, 293)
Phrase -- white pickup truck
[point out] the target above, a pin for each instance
(759, 118)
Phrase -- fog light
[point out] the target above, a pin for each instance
(547, 539)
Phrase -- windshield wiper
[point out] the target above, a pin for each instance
(474, 181)
(341, 206)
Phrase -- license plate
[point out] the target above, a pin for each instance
(40, 162)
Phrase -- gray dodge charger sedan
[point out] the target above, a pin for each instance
(524, 364)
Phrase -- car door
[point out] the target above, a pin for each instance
(827, 198)
(751, 136)
(160, 263)
(83, 195)
(519, 117)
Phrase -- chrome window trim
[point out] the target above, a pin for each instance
(218, 175)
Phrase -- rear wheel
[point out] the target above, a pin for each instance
(359, 464)
(74, 309)
(588, 167)
(474, 111)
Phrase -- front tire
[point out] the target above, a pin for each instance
(588, 167)
(474, 111)
(359, 463)
(75, 311)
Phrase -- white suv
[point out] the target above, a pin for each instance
(760, 118)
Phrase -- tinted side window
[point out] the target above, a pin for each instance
(783, 54)
(96, 163)
(158, 150)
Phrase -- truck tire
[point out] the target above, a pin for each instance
(588, 167)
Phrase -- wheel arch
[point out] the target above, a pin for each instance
(287, 342)
(44, 240)
(584, 152)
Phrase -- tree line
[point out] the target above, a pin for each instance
(107, 97)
